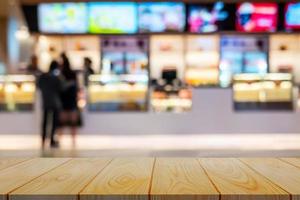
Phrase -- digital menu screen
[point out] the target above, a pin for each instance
(211, 17)
(257, 17)
(62, 17)
(161, 17)
(292, 16)
(242, 54)
(114, 18)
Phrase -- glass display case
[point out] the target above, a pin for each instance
(272, 91)
(17, 93)
(169, 92)
(123, 82)
(171, 99)
(118, 93)
(202, 60)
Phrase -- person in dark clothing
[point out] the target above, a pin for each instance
(51, 86)
(33, 68)
(70, 112)
(88, 70)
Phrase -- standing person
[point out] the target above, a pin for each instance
(50, 85)
(33, 67)
(88, 70)
(70, 113)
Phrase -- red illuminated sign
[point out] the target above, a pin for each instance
(257, 17)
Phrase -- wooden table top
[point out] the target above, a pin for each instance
(150, 178)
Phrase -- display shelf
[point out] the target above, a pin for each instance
(49, 48)
(118, 92)
(202, 60)
(166, 51)
(17, 93)
(284, 54)
(172, 100)
(272, 91)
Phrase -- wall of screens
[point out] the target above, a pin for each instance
(163, 17)
(111, 17)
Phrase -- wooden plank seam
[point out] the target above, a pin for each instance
(290, 195)
(78, 195)
(7, 195)
(215, 186)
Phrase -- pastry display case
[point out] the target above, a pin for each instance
(171, 99)
(123, 82)
(167, 56)
(17, 93)
(273, 91)
(202, 60)
(118, 92)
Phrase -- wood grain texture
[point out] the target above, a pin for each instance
(63, 183)
(279, 172)
(8, 162)
(181, 179)
(235, 180)
(149, 178)
(122, 179)
(14, 177)
(292, 161)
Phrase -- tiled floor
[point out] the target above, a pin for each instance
(213, 145)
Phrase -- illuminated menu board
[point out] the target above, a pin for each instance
(292, 16)
(107, 17)
(161, 17)
(211, 17)
(62, 17)
(257, 17)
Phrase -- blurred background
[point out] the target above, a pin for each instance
(205, 78)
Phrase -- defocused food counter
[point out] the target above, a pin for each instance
(17, 93)
(263, 92)
(212, 73)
